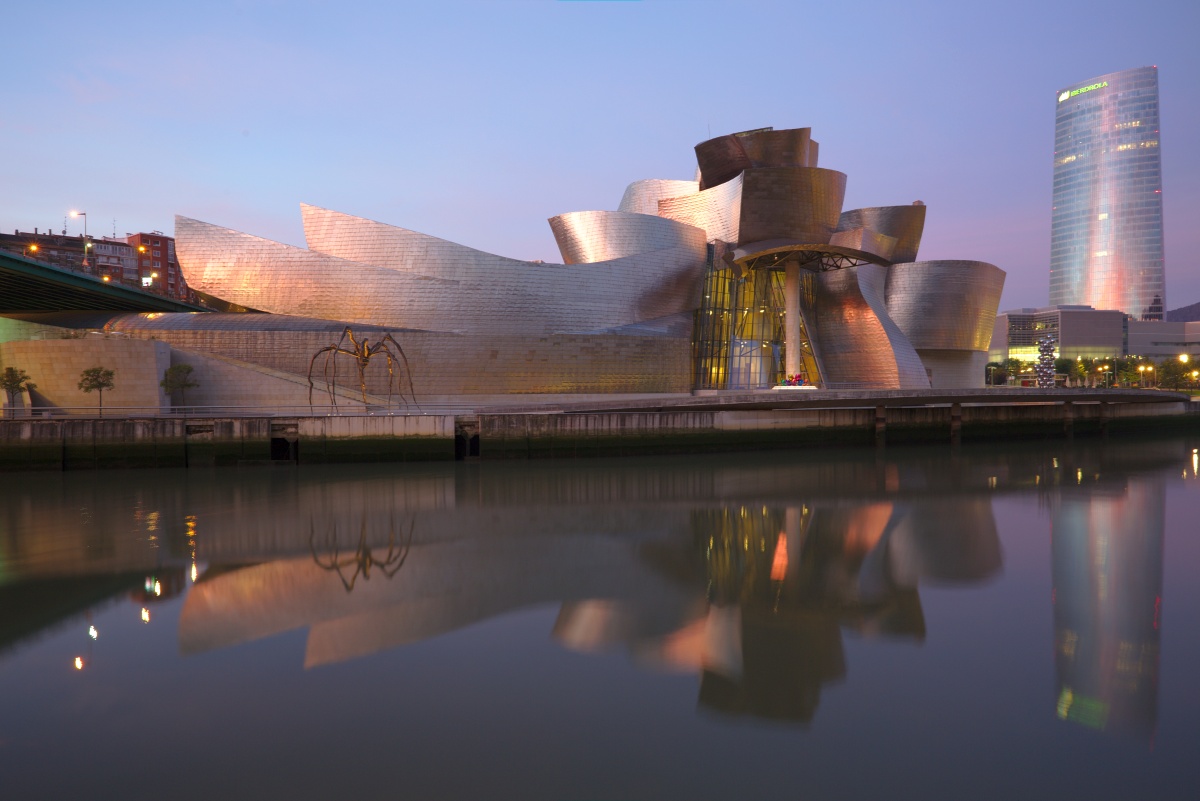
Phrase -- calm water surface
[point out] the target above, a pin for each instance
(962, 624)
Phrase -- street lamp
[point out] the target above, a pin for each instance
(1183, 357)
(86, 244)
(30, 248)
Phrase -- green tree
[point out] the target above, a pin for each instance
(15, 382)
(178, 377)
(96, 379)
(1013, 367)
(1173, 374)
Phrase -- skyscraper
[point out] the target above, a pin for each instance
(1106, 243)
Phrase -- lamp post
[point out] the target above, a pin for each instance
(1142, 375)
(86, 244)
(30, 248)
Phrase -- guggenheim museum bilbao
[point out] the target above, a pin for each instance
(748, 275)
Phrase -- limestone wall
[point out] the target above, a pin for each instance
(443, 364)
(55, 366)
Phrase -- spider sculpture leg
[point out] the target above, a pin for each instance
(310, 369)
(387, 354)
(407, 371)
(332, 385)
(388, 568)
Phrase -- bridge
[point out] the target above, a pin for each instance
(27, 285)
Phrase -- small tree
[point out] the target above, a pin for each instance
(15, 382)
(1012, 367)
(1173, 373)
(178, 377)
(96, 379)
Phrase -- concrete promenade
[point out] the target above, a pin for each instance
(571, 427)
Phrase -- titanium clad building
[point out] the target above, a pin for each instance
(1106, 243)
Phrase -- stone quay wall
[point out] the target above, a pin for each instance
(74, 443)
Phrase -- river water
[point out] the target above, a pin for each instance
(976, 622)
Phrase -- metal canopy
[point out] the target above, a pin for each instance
(773, 254)
(27, 285)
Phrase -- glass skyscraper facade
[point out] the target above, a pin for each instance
(1106, 243)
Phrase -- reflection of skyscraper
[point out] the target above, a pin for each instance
(1107, 562)
(1106, 243)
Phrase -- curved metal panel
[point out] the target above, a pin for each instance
(905, 224)
(796, 203)
(864, 239)
(641, 197)
(718, 211)
(856, 342)
(374, 273)
(872, 282)
(945, 305)
(679, 263)
(585, 237)
(721, 159)
(792, 147)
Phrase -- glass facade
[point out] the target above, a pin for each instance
(1106, 244)
(740, 341)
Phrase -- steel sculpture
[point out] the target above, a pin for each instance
(362, 352)
(364, 557)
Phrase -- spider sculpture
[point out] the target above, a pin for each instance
(362, 352)
(363, 559)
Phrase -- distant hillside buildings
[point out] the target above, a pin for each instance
(143, 260)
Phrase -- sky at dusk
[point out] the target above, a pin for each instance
(475, 121)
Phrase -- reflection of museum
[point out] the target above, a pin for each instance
(750, 273)
(751, 595)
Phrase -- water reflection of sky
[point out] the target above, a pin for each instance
(977, 623)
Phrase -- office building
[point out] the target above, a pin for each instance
(1106, 242)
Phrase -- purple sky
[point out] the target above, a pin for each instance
(475, 121)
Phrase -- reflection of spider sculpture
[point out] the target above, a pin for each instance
(363, 558)
(362, 353)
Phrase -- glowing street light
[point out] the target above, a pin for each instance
(82, 214)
